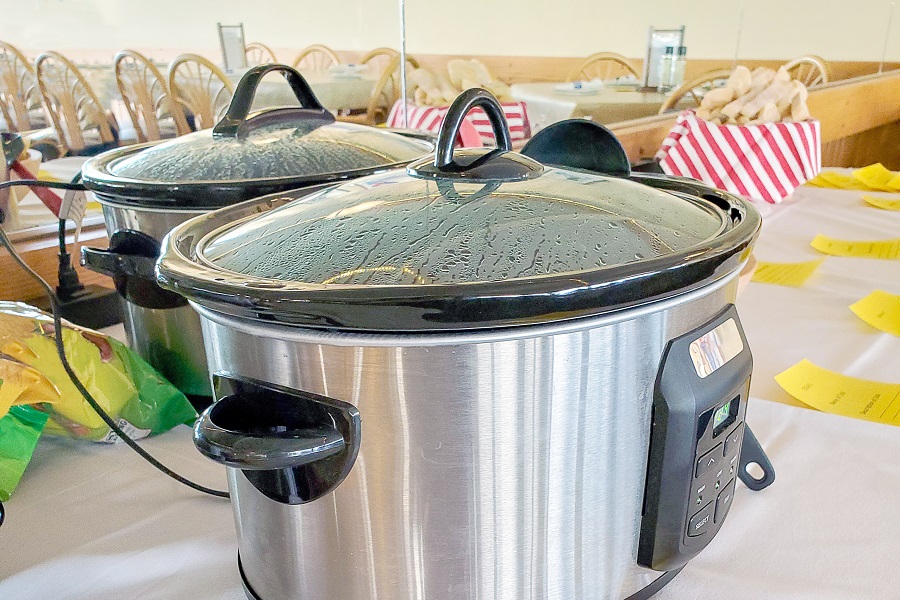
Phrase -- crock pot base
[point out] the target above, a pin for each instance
(642, 594)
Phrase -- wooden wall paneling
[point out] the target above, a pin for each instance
(881, 144)
(849, 108)
(41, 255)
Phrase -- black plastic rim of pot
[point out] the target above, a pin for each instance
(470, 306)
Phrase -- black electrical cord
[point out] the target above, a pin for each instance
(58, 328)
(69, 284)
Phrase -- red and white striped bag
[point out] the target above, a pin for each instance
(760, 162)
(429, 118)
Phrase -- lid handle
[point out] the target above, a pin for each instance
(465, 102)
(235, 123)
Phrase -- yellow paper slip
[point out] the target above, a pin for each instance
(789, 274)
(841, 395)
(830, 179)
(880, 310)
(876, 177)
(888, 249)
(872, 178)
(885, 203)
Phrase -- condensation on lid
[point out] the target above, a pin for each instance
(297, 149)
(394, 230)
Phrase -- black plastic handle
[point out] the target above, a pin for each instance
(238, 432)
(255, 453)
(235, 124)
(115, 264)
(579, 144)
(753, 453)
(465, 102)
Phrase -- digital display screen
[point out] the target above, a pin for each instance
(721, 415)
(724, 416)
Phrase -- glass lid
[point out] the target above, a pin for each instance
(294, 145)
(285, 142)
(467, 239)
(422, 231)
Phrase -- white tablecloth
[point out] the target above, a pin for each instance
(93, 522)
(546, 105)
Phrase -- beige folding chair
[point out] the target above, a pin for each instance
(810, 70)
(201, 88)
(82, 124)
(695, 88)
(20, 99)
(153, 113)
(259, 54)
(385, 93)
(315, 58)
(603, 66)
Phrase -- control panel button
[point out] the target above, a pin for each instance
(724, 500)
(733, 441)
(701, 521)
(709, 461)
(700, 493)
(732, 465)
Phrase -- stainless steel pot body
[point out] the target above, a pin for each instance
(495, 465)
(170, 339)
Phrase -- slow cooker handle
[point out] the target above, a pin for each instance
(469, 99)
(115, 264)
(235, 123)
(265, 452)
(579, 144)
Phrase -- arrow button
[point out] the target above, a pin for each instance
(709, 461)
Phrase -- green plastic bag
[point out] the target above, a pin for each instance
(128, 389)
(19, 433)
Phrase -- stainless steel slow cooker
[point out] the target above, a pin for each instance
(147, 189)
(476, 378)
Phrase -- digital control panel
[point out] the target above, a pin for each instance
(696, 435)
(715, 469)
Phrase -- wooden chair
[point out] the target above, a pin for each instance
(379, 58)
(82, 124)
(259, 54)
(809, 70)
(315, 58)
(385, 93)
(201, 88)
(603, 66)
(20, 99)
(153, 113)
(695, 88)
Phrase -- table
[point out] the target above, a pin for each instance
(333, 92)
(93, 522)
(546, 105)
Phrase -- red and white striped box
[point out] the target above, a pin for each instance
(760, 162)
(429, 118)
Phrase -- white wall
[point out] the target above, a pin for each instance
(835, 29)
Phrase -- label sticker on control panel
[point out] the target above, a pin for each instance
(715, 348)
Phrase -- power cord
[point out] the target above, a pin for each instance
(69, 284)
(60, 350)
